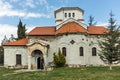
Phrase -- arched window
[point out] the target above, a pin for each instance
(81, 51)
(64, 51)
(65, 15)
(69, 14)
(94, 51)
(73, 14)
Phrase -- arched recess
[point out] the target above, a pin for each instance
(35, 50)
(37, 46)
(82, 53)
(37, 55)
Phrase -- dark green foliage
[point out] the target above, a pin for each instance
(21, 32)
(59, 59)
(110, 52)
(1, 55)
(91, 21)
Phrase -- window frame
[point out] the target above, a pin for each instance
(73, 14)
(94, 51)
(18, 59)
(69, 14)
(65, 15)
(64, 51)
(81, 51)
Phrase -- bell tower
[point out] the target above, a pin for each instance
(65, 13)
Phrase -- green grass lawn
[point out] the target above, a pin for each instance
(89, 73)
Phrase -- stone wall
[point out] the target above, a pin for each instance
(73, 57)
(10, 56)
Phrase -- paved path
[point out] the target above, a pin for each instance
(22, 71)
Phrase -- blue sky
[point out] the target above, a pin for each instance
(41, 12)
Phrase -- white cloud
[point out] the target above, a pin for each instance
(36, 15)
(64, 1)
(30, 3)
(43, 2)
(48, 7)
(102, 24)
(6, 29)
(5, 5)
(6, 9)
(14, 0)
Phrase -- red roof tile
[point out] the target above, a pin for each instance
(43, 31)
(71, 27)
(21, 42)
(97, 30)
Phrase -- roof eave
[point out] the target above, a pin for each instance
(14, 45)
(63, 8)
(71, 33)
(41, 35)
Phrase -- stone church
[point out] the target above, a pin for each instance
(76, 40)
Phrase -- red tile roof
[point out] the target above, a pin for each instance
(43, 31)
(71, 27)
(21, 42)
(97, 30)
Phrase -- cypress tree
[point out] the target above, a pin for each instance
(21, 32)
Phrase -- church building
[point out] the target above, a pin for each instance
(76, 40)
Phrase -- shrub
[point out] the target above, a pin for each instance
(59, 59)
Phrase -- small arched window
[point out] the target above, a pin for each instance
(73, 14)
(81, 51)
(94, 51)
(69, 14)
(64, 51)
(65, 15)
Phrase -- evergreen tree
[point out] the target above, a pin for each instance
(21, 32)
(55, 57)
(91, 21)
(110, 47)
(59, 59)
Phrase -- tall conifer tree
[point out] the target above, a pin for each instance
(21, 32)
(91, 21)
(110, 47)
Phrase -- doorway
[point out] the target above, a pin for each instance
(40, 63)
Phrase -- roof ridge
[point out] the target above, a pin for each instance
(66, 28)
(49, 30)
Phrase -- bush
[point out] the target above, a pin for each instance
(59, 59)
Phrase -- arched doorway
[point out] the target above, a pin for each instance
(38, 59)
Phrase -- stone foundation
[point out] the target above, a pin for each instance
(16, 66)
